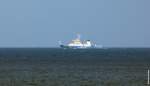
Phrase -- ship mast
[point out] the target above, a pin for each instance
(78, 36)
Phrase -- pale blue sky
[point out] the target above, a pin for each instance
(42, 23)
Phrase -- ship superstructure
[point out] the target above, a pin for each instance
(78, 44)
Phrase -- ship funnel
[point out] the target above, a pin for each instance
(88, 42)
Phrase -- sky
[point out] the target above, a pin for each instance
(42, 23)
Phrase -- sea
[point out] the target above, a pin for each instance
(74, 67)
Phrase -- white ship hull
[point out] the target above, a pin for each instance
(76, 47)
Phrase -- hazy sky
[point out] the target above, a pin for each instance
(42, 23)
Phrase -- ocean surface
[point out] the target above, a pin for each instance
(74, 67)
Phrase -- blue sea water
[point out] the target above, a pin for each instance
(74, 67)
(58, 53)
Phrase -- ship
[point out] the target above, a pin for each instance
(78, 44)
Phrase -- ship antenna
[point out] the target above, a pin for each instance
(60, 43)
(78, 36)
